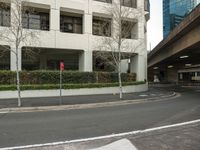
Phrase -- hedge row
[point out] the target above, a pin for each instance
(66, 86)
(53, 77)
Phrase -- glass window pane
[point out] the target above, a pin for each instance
(6, 18)
(1, 22)
(78, 20)
(34, 22)
(105, 1)
(134, 3)
(127, 3)
(77, 28)
(25, 21)
(68, 19)
(44, 22)
(71, 24)
(102, 27)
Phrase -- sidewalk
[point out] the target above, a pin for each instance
(152, 94)
(186, 137)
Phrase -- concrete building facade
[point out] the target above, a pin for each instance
(66, 31)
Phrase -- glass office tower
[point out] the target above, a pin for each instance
(174, 11)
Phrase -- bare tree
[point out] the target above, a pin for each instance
(15, 35)
(112, 49)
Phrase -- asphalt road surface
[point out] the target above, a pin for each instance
(17, 129)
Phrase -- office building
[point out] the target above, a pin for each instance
(69, 31)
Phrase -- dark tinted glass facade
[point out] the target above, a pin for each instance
(174, 11)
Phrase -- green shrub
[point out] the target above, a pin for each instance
(7, 77)
(69, 77)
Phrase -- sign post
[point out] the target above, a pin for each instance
(62, 66)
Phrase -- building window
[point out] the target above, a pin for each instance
(147, 5)
(129, 3)
(36, 19)
(4, 15)
(4, 58)
(129, 30)
(101, 26)
(71, 24)
(105, 1)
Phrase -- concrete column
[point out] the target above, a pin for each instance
(55, 19)
(124, 65)
(13, 59)
(85, 57)
(138, 65)
(85, 61)
(87, 23)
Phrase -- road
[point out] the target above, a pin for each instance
(17, 129)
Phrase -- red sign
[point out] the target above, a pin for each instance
(62, 66)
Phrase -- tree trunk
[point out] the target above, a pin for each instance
(18, 79)
(120, 82)
(119, 52)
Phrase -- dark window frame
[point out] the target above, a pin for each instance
(105, 1)
(4, 14)
(126, 32)
(75, 21)
(43, 20)
(132, 3)
(102, 22)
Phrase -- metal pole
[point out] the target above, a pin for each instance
(60, 102)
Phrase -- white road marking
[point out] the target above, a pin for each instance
(4, 112)
(118, 145)
(103, 137)
(143, 95)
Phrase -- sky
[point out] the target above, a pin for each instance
(155, 24)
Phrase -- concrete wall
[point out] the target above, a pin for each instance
(85, 91)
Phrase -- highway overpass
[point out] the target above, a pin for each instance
(177, 57)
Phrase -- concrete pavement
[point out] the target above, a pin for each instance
(85, 99)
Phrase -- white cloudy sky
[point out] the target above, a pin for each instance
(154, 25)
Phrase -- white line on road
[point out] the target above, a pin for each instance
(103, 137)
(4, 112)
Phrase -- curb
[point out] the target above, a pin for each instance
(85, 106)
